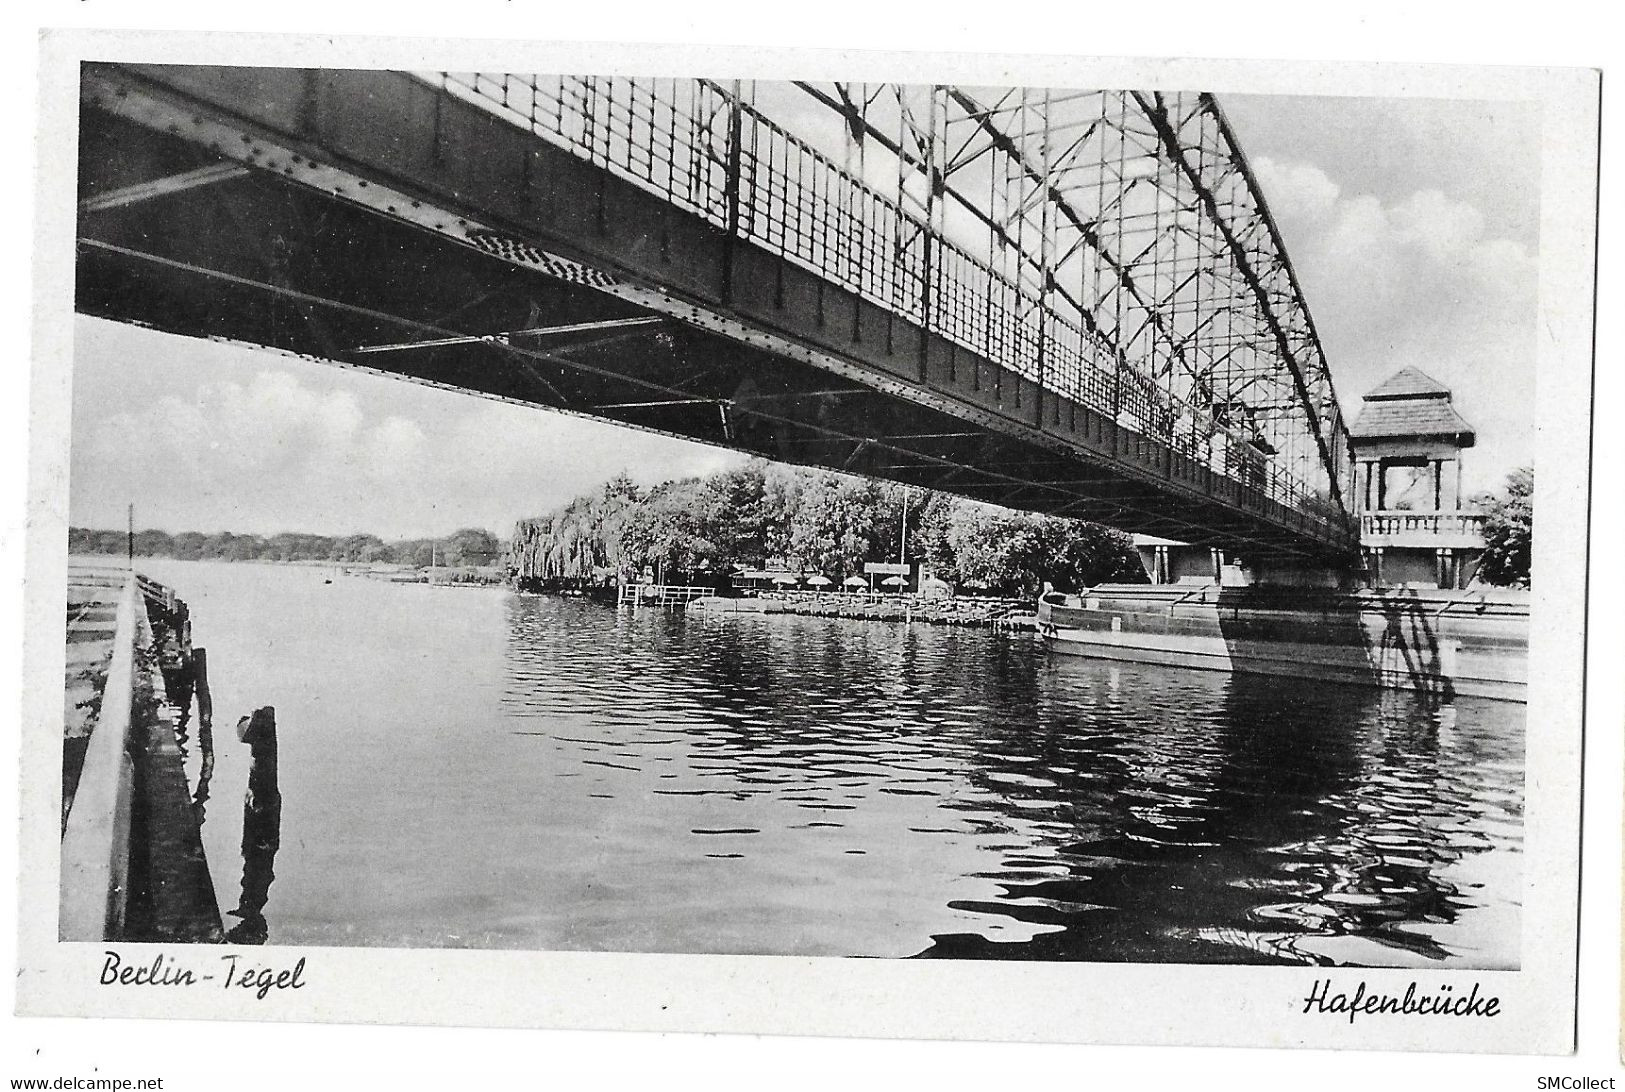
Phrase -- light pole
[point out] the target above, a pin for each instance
(902, 542)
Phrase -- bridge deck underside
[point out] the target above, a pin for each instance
(176, 236)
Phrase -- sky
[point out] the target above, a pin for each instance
(1412, 225)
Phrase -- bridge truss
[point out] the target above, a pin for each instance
(1072, 302)
(1113, 247)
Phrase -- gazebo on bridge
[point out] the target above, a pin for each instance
(1408, 442)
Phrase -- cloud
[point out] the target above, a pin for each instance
(1303, 189)
(1420, 280)
(395, 450)
(209, 438)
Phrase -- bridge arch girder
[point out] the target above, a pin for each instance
(692, 199)
(1121, 179)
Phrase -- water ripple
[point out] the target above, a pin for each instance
(1116, 812)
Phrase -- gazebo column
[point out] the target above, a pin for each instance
(1368, 485)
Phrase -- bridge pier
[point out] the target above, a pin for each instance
(1169, 562)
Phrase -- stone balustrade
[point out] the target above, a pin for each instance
(1396, 528)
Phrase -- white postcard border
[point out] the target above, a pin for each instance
(1124, 1003)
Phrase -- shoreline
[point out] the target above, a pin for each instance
(971, 613)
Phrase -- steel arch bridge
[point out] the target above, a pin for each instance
(1068, 301)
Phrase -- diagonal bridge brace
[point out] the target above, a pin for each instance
(1158, 115)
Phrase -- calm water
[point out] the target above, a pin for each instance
(475, 768)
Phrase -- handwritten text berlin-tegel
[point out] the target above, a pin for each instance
(1445, 1001)
(237, 972)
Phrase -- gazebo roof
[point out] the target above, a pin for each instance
(1409, 383)
(1411, 404)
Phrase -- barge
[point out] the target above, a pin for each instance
(1442, 642)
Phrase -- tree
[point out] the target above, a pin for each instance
(1508, 527)
(663, 530)
(189, 545)
(471, 546)
(242, 547)
(360, 547)
(1016, 553)
(733, 515)
(931, 534)
(811, 521)
(152, 543)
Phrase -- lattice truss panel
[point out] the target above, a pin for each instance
(1111, 246)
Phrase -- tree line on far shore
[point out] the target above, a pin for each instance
(469, 546)
(767, 516)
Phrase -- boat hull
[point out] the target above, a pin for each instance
(1441, 645)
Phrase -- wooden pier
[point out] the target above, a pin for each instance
(662, 595)
(132, 858)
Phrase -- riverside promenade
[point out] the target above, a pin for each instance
(133, 866)
(981, 612)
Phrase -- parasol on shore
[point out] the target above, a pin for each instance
(856, 582)
(819, 581)
(894, 582)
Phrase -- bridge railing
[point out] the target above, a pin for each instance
(638, 594)
(702, 148)
(1422, 525)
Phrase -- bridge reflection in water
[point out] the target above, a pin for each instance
(804, 785)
